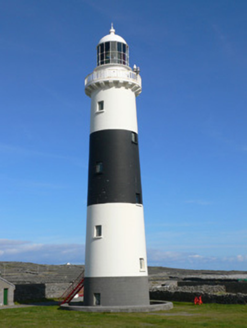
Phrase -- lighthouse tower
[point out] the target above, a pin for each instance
(116, 262)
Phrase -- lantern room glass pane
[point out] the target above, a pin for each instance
(114, 57)
(101, 59)
(113, 46)
(107, 60)
(119, 47)
(119, 58)
(107, 46)
(112, 52)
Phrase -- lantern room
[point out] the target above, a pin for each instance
(112, 49)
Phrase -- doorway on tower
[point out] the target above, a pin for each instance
(96, 298)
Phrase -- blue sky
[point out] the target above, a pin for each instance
(192, 126)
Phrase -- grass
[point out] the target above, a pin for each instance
(183, 315)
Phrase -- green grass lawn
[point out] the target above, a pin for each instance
(183, 315)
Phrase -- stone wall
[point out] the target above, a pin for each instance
(230, 287)
(27, 292)
(188, 296)
(210, 294)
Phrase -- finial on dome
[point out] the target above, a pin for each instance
(112, 31)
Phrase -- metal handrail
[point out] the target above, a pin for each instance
(72, 289)
(113, 74)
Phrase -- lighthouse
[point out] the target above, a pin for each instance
(115, 261)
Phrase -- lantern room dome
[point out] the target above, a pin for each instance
(112, 37)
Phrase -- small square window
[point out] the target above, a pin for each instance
(134, 137)
(96, 298)
(138, 198)
(98, 231)
(99, 168)
(100, 105)
(142, 264)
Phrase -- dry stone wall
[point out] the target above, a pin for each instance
(27, 292)
(209, 295)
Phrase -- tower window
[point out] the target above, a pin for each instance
(142, 264)
(138, 198)
(100, 105)
(98, 231)
(134, 137)
(96, 298)
(99, 168)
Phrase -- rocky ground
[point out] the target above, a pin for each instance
(24, 272)
(31, 273)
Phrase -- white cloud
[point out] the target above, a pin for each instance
(196, 256)
(25, 251)
(8, 243)
(184, 260)
(16, 250)
(241, 258)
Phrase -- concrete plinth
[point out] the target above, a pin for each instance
(157, 306)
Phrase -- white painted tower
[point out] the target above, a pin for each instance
(116, 261)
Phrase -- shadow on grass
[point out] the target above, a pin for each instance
(42, 301)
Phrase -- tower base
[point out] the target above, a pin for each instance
(157, 306)
(116, 291)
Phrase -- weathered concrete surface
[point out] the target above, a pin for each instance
(160, 306)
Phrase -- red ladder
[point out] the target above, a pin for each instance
(73, 289)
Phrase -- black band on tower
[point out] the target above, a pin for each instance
(114, 168)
